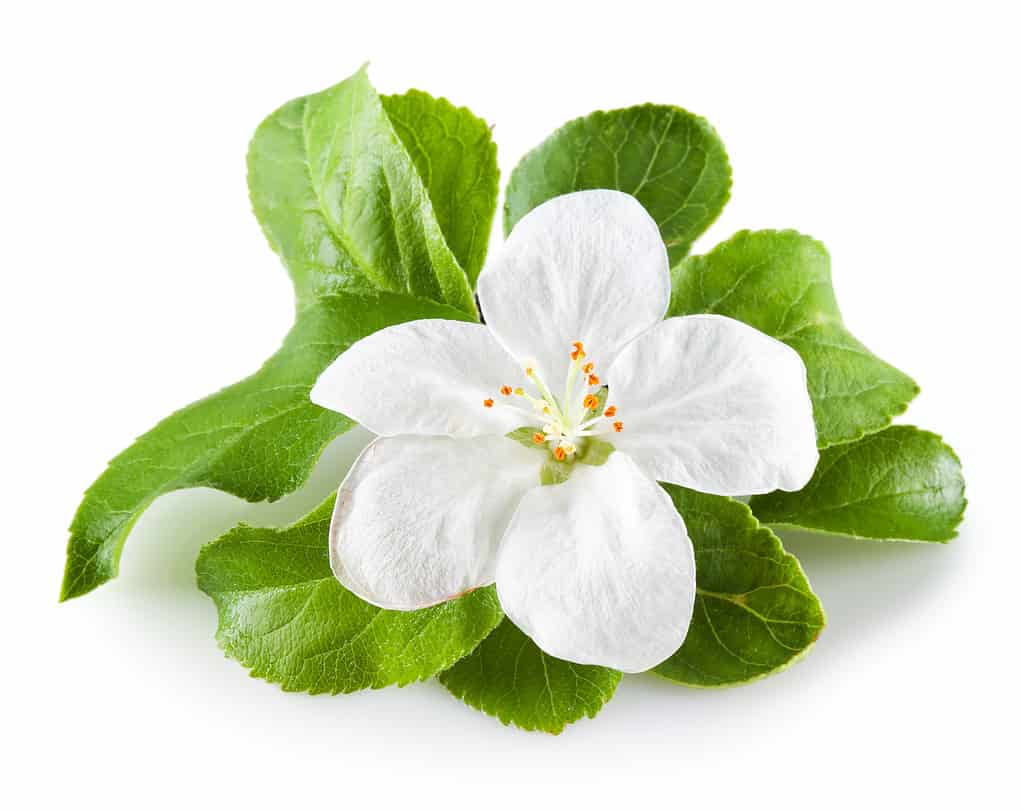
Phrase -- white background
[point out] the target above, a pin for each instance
(136, 280)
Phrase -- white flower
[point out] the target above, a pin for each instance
(598, 569)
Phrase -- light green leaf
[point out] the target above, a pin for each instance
(670, 160)
(283, 615)
(509, 677)
(257, 439)
(780, 283)
(755, 612)
(457, 161)
(341, 202)
(899, 484)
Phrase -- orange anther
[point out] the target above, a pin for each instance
(578, 351)
(618, 427)
(587, 368)
(611, 411)
(506, 390)
(559, 453)
(488, 403)
(538, 438)
(593, 380)
(591, 402)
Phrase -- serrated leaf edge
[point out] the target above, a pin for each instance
(953, 528)
(898, 408)
(254, 668)
(506, 719)
(753, 523)
(699, 120)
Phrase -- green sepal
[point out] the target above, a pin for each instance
(524, 436)
(594, 452)
(555, 472)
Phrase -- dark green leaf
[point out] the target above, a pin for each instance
(509, 677)
(899, 484)
(670, 160)
(341, 202)
(755, 612)
(284, 616)
(257, 439)
(780, 283)
(457, 161)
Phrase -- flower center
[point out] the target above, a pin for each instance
(580, 413)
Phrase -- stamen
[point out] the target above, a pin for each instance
(580, 429)
(551, 404)
(571, 418)
(488, 403)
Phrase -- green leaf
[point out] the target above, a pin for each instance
(755, 612)
(780, 283)
(257, 439)
(283, 615)
(341, 202)
(670, 160)
(260, 438)
(509, 677)
(457, 161)
(899, 484)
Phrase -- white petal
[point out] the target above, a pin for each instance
(589, 266)
(418, 519)
(426, 377)
(713, 404)
(599, 570)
